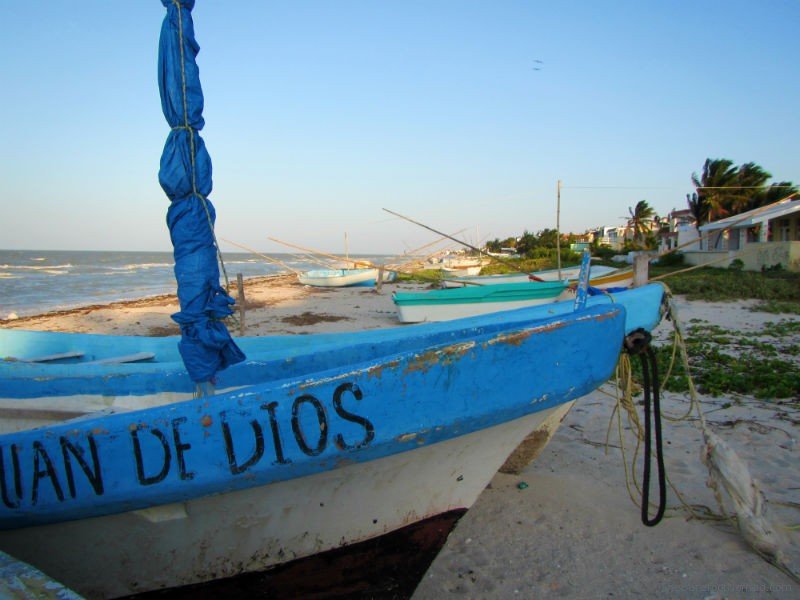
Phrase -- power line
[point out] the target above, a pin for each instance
(702, 187)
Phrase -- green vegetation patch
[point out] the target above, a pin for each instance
(778, 307)
(725, 362)
(777, 288)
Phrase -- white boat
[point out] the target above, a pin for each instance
(571, 273)
(339, 277)
(444, 305)
(568, 274)
(467, 271)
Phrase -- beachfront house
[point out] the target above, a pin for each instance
(679, 232)
(761, 238)
(613, 237)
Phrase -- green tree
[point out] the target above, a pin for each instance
(640, 223)
(724, 189)
(715, 187)
(546, 238)
(494, 245)
(698, 207)
(773, 193)
(526, 243)
(751, 180)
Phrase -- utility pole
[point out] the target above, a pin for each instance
(558, 227)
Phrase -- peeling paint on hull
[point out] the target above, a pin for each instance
(245, 481)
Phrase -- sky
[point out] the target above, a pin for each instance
(462, 115)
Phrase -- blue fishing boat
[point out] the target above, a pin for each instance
(309, 449)
(47, 377)
(248, 480)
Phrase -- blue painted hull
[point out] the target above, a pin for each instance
(373, 429)
(269, 358)
(358, 411)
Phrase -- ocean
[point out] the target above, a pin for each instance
(38, 281)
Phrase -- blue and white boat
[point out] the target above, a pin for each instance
(289, 468)
(304, 448)
(338, 277)
(47, 377)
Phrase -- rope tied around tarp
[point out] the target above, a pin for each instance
(193, 152)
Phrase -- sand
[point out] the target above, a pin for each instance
(566, 525)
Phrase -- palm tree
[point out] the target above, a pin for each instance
(751, 178)
(698, 208)
(774, 193)
(641, 216)
(715, 187)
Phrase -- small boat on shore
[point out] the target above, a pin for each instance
(466, 271)
(338, 277)
(571, 273)
(567, 274)
(443, 305)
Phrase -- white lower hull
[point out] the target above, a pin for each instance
(445, 312)
(251, 530)
(461, 271)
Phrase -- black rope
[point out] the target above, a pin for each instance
(638, 343)
(650, 357)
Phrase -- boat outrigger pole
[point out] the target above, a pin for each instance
(462, 242)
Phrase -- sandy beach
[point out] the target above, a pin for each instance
(566, 525)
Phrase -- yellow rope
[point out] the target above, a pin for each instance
(762, 546)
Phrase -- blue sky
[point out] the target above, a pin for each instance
(320, 113)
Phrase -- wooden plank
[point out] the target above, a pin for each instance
(46, 357)
(240, 286)
(128, 358)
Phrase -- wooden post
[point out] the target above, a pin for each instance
(641, 268)
(240, 285)
(379, 280)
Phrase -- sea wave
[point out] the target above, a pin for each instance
(137, 266)
(46, 268)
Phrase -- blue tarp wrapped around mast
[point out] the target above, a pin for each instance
(185, 175)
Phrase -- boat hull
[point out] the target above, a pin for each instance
(447, 312)
(218, 486)
(461, 271)
(445, 305)
(339, 277)
(253, 530)
(598, 275)
(33, 394)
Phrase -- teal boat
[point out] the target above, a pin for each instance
(448, 304)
